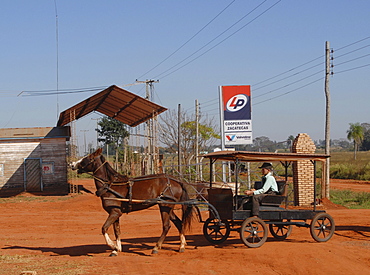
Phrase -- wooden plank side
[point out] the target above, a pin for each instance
(12, 156)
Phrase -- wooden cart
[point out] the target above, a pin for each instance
(227, 212)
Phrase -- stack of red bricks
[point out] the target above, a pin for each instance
(303, 171)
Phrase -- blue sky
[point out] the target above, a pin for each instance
(275, 46)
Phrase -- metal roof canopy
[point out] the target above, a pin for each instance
(114, 102)
(262, 156)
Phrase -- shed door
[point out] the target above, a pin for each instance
(33, 181)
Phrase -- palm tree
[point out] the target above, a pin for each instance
(355, 133)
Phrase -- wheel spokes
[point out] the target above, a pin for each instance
(323, 227)
(254, 232)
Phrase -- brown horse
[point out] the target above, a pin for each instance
(119, 195)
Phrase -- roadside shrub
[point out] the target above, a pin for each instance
(350, 171)
(351, 199)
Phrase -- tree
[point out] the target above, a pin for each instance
(112, 131)
(290, 141)
(264, 144)
(355, 133)
(169, 133)
(365, 144)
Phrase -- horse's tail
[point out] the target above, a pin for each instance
(187, 209)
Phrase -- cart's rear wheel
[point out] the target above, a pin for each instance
(280, 231)
(322, 227)
(253, 232)
(216, 232)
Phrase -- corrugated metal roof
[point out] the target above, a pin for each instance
(263, 156)
(35, 133)
(114, 102)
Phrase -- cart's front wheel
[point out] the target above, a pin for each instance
(253, 232)
(216, 231)
(280, 231)
(322, 227)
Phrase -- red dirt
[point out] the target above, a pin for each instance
(354, 185)
(61, 235)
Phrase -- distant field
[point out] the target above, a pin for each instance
(344, 166)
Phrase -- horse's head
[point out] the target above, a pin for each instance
(88, 163)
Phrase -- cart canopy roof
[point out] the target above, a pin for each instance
(263, 156)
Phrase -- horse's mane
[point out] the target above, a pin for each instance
(112, 174)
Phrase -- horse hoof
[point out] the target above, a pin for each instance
(182, 250)
(154, 251)
(113, 254)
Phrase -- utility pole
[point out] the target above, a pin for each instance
(84, 131)
(197, 139)
(327, 123)
(96, 130)
(179, 155)
(151, 150)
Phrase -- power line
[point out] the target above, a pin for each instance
(357, 58)
(263, 81)
(159, 76)
(306, 63)
(353, 51)
(71, 89)
(312, 82)
(54, 92)
(358, 41)
(287, 85)
(351, 69)
(191, 38)
(295, 74)
(291, 91)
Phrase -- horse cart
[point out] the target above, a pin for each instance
(227, 212)
(120, 194)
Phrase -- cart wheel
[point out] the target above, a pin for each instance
(253, 232)
(280, 231)
(216, 232)
(322, 227)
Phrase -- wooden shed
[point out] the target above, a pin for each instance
(34, 160)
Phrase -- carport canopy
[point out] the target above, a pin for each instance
(114, 102)
(263, 156)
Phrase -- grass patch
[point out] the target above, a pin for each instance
(351, 199)
(344, 166)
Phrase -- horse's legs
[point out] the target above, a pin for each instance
(178, 223)
(113, 218)
(165, 215)
(117, 233)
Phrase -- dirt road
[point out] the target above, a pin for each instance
(61, 235)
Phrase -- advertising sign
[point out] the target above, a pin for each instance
(236, 118)
(47, 168)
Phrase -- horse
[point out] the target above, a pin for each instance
(120, 194)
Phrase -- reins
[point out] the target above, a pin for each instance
(106, 186)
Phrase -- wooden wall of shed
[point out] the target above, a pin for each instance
(12, 156)
(54, 150)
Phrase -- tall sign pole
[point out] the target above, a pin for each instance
(327, 123)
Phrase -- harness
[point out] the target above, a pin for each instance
(106, 187)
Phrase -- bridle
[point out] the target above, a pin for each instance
(106, 184)
(82, 169)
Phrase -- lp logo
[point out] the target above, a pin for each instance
(236, 103)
